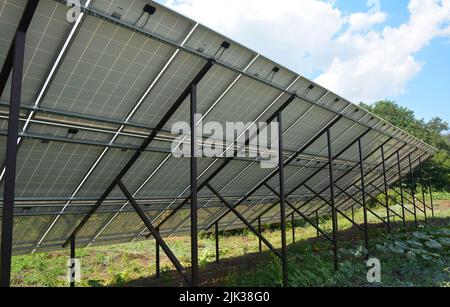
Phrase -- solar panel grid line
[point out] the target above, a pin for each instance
(275, 172)
(340, 136)
(151, 137)
(101, 15)
(243, 171)
(50, 76)
(55, 65)
(270, 118)
(226, 162)
(347, 107)
(217, 101)
(124, 206)
(337, 180)
(312, 175)
(132, 112)
(378, 178)
(321, 182)
(13, 66)
(304, 181)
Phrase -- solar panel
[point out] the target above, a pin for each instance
(94, 90)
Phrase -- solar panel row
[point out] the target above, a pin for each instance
(94, 89)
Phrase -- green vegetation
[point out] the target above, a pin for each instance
(421, 258)
(310, 264)
(434, 132)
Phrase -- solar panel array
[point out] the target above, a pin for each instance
(112, 80)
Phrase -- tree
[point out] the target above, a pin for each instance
(434, 132)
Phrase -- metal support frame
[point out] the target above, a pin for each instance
(13, 64)
(155, 233)
(303, 183)
(423, 191)
(413, 188)
(386, 192)
(191, 92)
(157, 259)
(379, 190)
(216, 236)
(259, 239)
(318, 223)
(275, 172)
(327, 202)
(354, 184)
(252, 229)
(284, 251)
(400, 183)
(364, 203)
(343, 191)
(332, 199)
(72, 260)
(307, 219)
(194, 188)
(431, 193)
(293, 226)
(225, 164)
(348, 172)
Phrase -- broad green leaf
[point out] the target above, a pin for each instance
(414, 244)
(396, 250)
(421, 235)
(433, 244)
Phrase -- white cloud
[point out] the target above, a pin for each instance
(358, 56)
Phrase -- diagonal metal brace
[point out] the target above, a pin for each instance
(337, 210)
(307, 219)
(250, 226)
(155, 233)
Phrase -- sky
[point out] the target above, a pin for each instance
(364, 50)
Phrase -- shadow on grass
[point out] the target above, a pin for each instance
(216, 274)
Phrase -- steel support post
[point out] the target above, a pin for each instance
(243, 220)
(216, 236)
(413, 191)
(260, 231)
(400, 181)
(431, 192)
(332, 199)
(363, 188)
(157, 259)
(284, 251)
(293, 227)
(386, 191)
(194, 188)
(72, 261)
(11, 159)
(423, 191)
(317, 223)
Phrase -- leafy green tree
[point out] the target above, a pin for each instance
(434, 132)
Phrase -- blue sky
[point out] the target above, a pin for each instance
(428, 94)
(365, 50)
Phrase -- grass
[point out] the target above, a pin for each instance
(309, 265)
